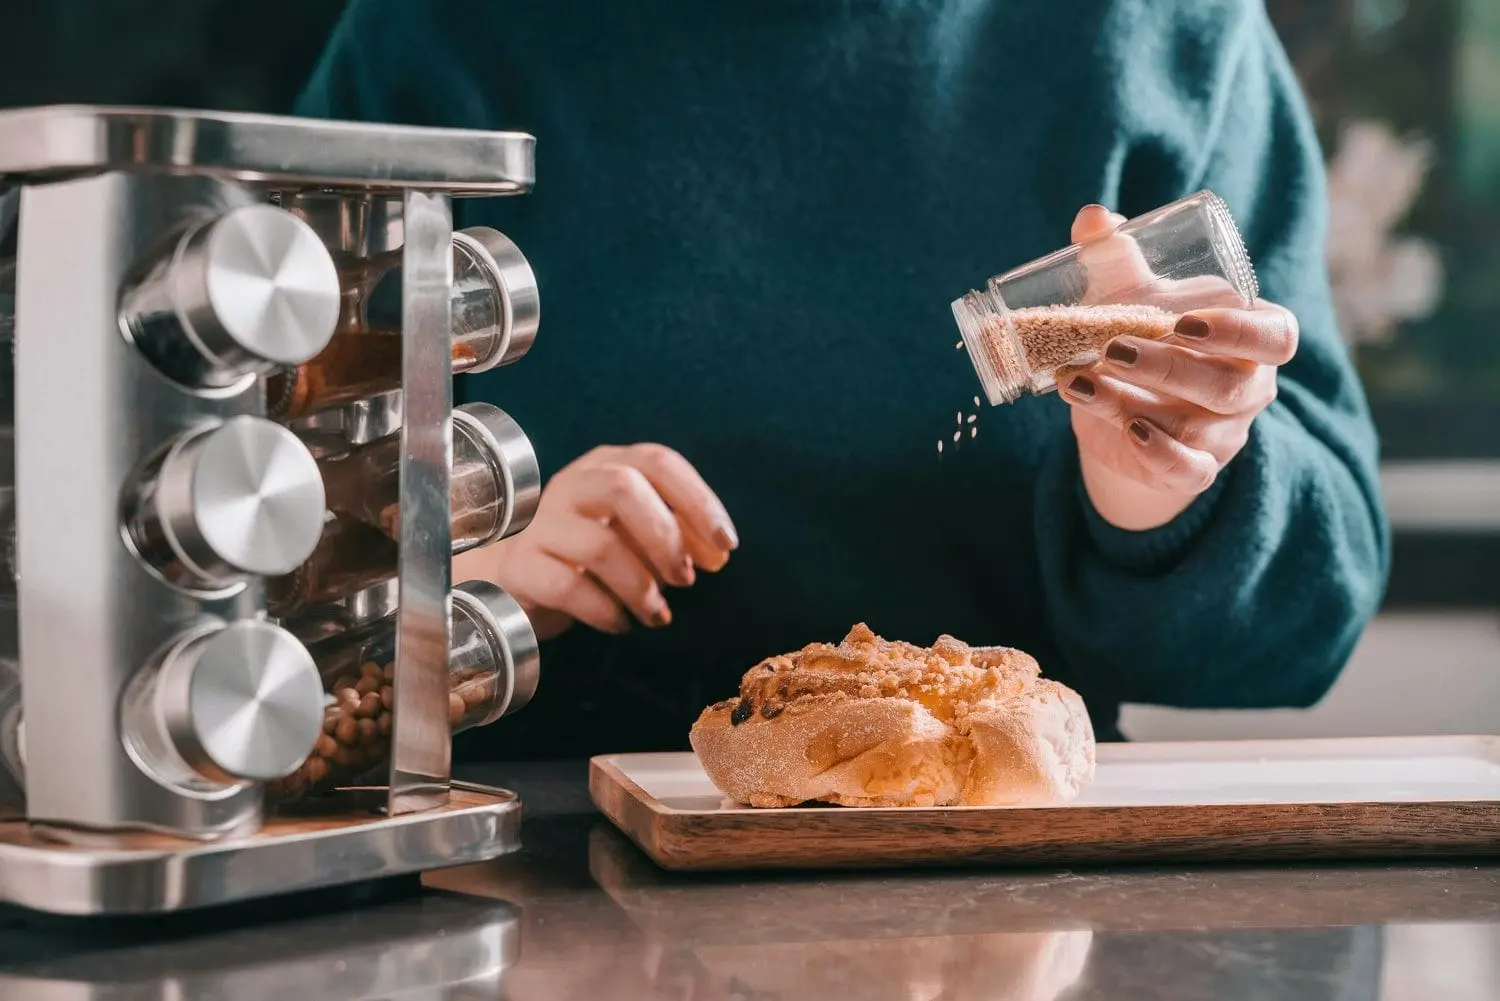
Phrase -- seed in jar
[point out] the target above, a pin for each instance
(325, 746)
(369, 705)
(1052, 337)
(387, 697)
(347, 731)
(384, 724)
(315, 770)
(367, 685)
(368, 731)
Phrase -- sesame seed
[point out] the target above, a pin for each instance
(976, 402)
(959, 346)
(957, 435)
(973, 432)
(973, 418)
(940, 446)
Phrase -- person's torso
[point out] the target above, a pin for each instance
(748, 227)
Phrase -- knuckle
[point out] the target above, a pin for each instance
(656, 457)
(621, 484)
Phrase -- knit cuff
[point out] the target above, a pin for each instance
(1157, 549)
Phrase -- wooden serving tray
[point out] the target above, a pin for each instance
(1169, 802)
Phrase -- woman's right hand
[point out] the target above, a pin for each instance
(611, 530)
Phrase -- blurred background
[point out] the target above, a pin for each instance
(1407, 98)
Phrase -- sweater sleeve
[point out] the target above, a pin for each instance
(1254, 597)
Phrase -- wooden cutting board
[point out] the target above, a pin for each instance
(1168, 802)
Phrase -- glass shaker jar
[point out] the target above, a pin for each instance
(493, 666)
(1057, 313)
(495, 306)
(496, 483)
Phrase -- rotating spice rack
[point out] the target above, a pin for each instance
(231, 338)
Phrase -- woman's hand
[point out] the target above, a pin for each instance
(611, 529)
(1157, 420)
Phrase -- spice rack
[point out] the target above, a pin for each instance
(228, 458)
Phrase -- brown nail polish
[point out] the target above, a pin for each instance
(1140, 431)
(1193, 327)
(659, 616)
(725, 538)
(1082, 387)
(1122, 353)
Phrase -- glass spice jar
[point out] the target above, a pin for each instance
(1057, 313)
(495, 485)
(493, 666)
(495, 311)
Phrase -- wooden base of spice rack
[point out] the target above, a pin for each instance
(152, 873)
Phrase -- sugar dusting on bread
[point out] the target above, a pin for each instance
(873, 722)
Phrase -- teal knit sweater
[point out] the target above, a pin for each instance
(748, 223)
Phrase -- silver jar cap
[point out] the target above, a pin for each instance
(245, 497)
(241, 703)
(520, 305)
(506, 628)
(514, 460)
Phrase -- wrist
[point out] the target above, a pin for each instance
(1128, 504)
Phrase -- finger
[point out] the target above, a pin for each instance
(685, 492)
(600, 551)
(621, 494)
(1217, 383)
(1110, 257)
(1120, 404)
(539, 578)
(704, 553)
(1093, 222)
(1266, 334)
(1172, 465)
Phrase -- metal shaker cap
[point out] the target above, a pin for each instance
(499, 618)
(514, 286)
(243, 294)
(513, 459)
(241, 703)
(245, 497)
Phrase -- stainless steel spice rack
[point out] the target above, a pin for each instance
(207, 314)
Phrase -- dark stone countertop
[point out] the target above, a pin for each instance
(581, 914)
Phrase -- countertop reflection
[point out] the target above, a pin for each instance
(581, 914)
(600, 920)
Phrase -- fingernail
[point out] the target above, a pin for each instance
(1096, 206)
(686, 574)
(657, 613)
(1193, 327)
(1122, 353)
(1081, 387)
(725, 538)
(1140, 431)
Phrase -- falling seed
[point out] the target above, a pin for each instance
(958, 418)
(957, 435)
(959, 346)
(940, 446)
(976, 401)
(973, 418)
(973, 432)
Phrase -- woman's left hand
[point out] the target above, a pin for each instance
(1157, 420)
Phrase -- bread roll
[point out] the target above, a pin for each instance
(875, 723)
